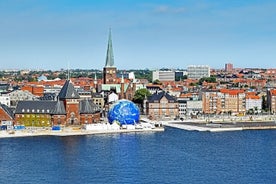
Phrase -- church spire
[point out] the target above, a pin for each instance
(109, 55)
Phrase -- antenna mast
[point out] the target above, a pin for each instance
(68, 72)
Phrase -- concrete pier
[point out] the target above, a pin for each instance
(221, 126)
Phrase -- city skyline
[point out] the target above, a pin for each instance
(156, 34)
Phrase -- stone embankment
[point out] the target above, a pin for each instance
(70, 132)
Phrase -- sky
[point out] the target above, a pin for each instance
(146, 34)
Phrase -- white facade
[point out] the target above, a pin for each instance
(189, 107)
(5, 100)
(194, 107)
(20, 95)
(163, 75)
(253, 104)
(182, 108)
(131, 75)
(198, 71)
(52, 89)
(113, 97)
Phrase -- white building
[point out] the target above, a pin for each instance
(253, 103)
(113, 97)
(182, 108)
(163, 75)
(5, 100)
(20, 95)
(189, 107)
(194, 107)
(52, 89)
(198, 71)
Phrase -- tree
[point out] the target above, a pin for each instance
(207, 79)
(264, 103)
(157, 82)
(140, 95)
(62, 76)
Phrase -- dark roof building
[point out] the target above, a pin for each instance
(69, 109)
(6, 113)
(161, 105)
(48, 96)
(40, 107)
(68, 91)
(88, 107)
(156, 97)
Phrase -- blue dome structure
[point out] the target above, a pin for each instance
(124, 112)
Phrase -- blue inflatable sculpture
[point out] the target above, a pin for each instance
(124, 112)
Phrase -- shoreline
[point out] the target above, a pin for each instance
(64, 133)
(207, 125)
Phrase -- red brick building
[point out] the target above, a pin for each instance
(68, 110)
(271, 100)
(34, 89)
(5, 113)
(109, 71)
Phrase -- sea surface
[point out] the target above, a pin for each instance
(172, 156)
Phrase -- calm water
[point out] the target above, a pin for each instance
(173, 156)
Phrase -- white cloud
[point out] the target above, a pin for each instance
(168, 9)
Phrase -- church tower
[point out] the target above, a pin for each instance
(109, 71)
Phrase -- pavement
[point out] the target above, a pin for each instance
(217, 126)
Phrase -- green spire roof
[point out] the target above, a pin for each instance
(109, 55)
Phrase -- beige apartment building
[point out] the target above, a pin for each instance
(230, 101)
(161, 105)
(271, 100)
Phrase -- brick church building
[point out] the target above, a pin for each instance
(124, 88)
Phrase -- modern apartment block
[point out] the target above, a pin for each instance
(163, 75)
(198, 71)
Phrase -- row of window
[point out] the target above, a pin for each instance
(32, 116)
(37, 110)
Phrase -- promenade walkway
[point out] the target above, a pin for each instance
(219, 126)
(70, 132)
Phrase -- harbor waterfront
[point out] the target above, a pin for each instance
(221, 126)
(211, 125)
(70, 132)
(172, 156)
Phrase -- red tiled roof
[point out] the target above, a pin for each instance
(232, 91)
(252, 97)
(273, 92)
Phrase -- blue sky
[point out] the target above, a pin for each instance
(49, 34)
